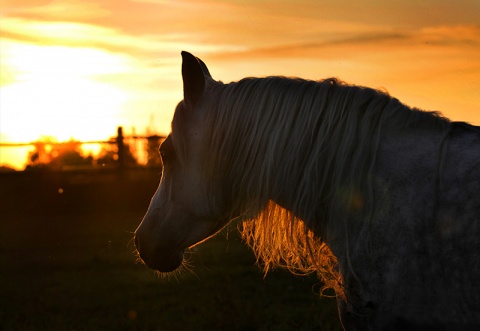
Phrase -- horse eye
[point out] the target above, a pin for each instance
(165, 155)
(166, 150)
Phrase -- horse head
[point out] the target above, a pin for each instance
(179, 215)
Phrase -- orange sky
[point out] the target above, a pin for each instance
(78, 69)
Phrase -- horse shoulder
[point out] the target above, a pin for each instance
(418, 258)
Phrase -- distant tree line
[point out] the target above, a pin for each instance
(58, 156)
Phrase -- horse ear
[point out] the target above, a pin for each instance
(193, 73)
(204, 68)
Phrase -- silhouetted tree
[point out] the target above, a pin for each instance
(4, 169)
(109, 155)
(51, 155)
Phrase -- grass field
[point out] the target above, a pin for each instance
(67, 264)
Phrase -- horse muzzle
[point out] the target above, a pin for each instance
(160, 238)
(167, 231)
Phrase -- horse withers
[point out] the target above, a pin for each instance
(380, 199)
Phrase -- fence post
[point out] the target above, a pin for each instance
(120, 150)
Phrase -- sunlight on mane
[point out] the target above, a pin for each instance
(279, 239)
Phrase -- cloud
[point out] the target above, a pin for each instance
(57, 10)
(371, 43)
(204, 26)
(69, 34)
(153, 29)
(456, 37)
(459, 35)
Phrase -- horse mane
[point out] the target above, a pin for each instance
(262, 130)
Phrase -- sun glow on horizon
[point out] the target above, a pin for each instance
(76, 70)
(56, 91)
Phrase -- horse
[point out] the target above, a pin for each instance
(380, 199)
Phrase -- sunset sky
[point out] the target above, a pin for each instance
(78, 69)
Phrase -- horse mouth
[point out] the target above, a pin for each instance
(164, 263)
(161, 260)
(167, 264)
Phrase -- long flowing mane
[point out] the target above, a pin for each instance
(262, 130)
(378, 198)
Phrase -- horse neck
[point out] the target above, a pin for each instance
(308, 150)
(308, 146)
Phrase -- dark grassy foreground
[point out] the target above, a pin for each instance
(67, 264)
